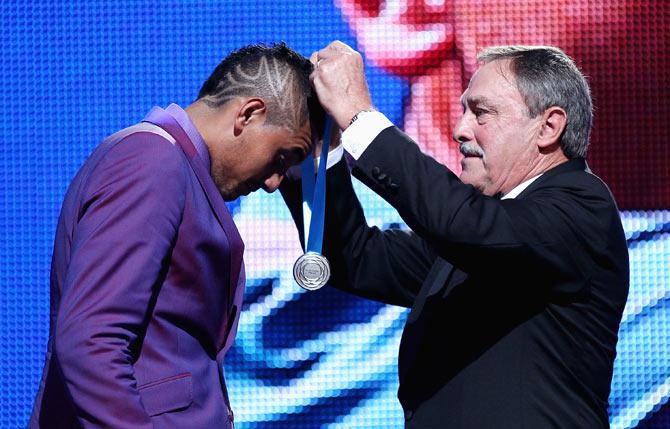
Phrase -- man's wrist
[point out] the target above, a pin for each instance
(357, 137)
(349, 116)
(355, 117)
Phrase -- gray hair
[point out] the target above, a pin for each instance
(545, 76)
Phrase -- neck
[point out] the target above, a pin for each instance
(541, 164)
(211, 124)
(548, 162)
(203, 119)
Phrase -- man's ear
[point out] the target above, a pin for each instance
(251, 111)
(554, 120)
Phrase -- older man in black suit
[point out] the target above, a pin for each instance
(516, 272)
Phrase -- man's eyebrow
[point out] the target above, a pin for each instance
(478, 100)
(472, 101)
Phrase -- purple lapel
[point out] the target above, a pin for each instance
(161, 118)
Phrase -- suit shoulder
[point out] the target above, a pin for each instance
(581, 202)
(140, 157)
(577, 183)
(154, 149)
(145, 150)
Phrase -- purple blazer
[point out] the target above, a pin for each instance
(146, 285)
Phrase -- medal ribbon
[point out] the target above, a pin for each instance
(314, 195)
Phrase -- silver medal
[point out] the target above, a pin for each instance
(311, 271)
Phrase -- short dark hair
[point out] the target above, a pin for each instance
(545, 76)
(276, 73)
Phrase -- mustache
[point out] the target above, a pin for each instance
(470, 149)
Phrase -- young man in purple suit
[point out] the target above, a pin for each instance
(147, 274)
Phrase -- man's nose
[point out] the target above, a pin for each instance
(462, 131)
(272, 183)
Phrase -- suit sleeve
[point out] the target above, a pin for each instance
(482, 235)
(127, 224)
(387, 266)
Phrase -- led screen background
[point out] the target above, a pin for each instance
(74, 72)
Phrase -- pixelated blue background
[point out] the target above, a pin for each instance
(73, 72)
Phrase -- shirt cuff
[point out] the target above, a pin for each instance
(334, 156)
(358, 136)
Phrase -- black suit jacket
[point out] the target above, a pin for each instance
(515, 303)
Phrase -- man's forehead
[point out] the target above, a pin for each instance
(304, 133)
(490, 79)
(289, 136)
(493, 70)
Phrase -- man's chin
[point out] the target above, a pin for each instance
(229, 195)
(469, 178)
(475, 180)
(240, 191)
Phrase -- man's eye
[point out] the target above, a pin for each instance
(479, 112)
(281, 163)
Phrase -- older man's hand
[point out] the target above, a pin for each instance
(339, 81)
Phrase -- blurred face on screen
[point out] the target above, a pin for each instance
(407, 37)
(434, 43)
(495, 133)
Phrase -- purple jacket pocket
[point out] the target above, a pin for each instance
(167, 394)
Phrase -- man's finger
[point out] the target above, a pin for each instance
(317, 84)
(335, 48)
(312, 76)
(329, 51)
(319, 88)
